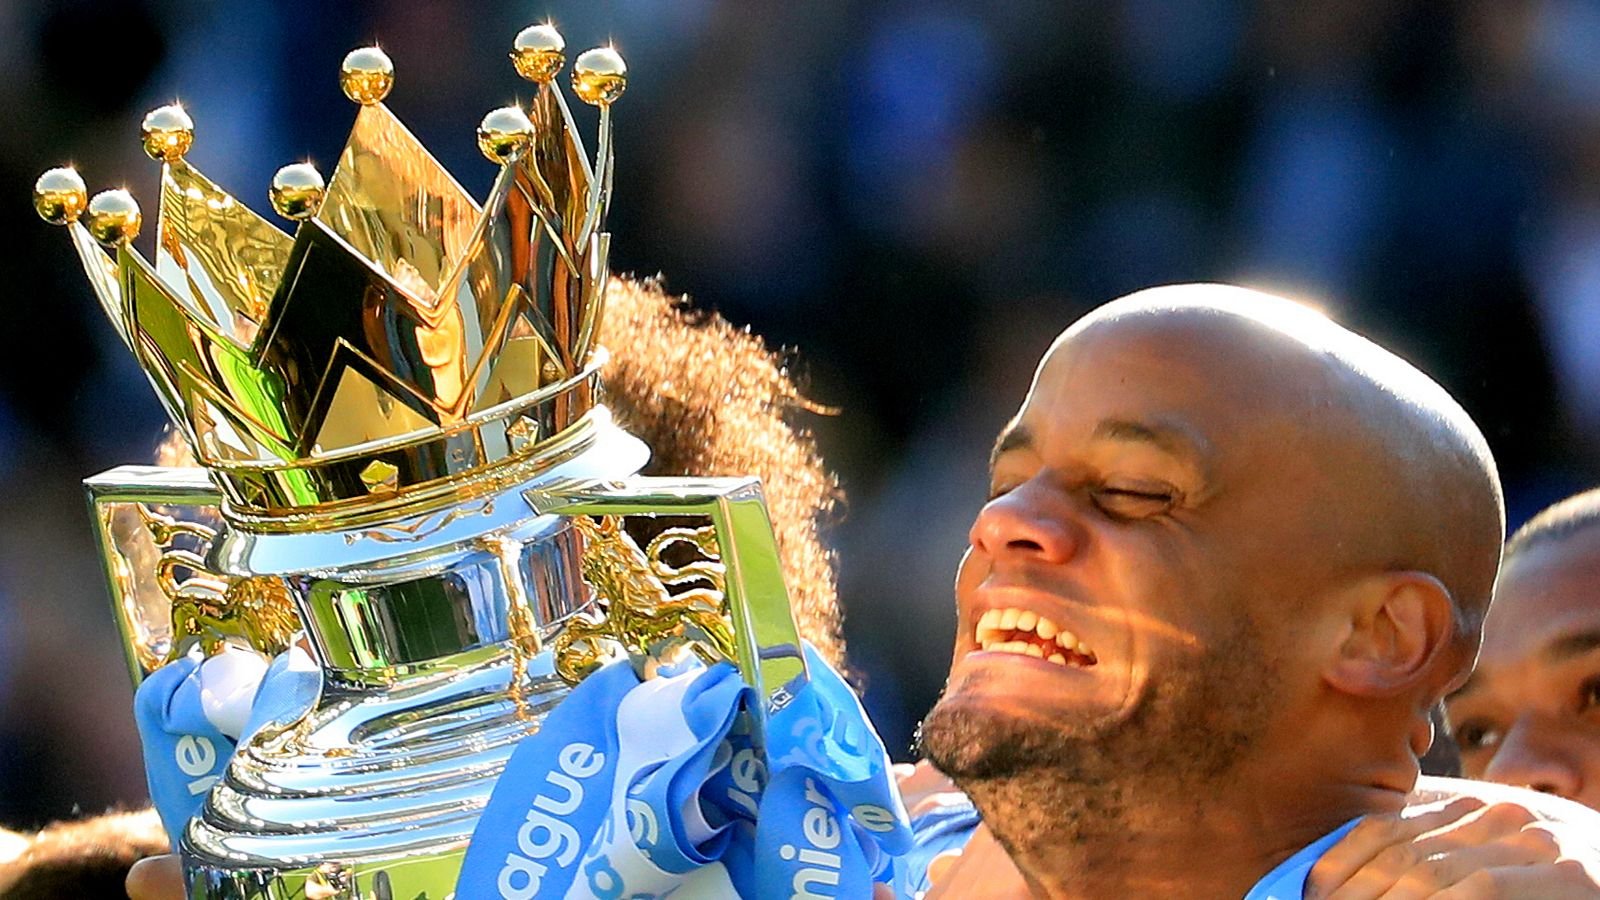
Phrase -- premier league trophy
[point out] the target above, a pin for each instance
(405, 457)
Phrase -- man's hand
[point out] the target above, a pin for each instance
(1466, 849)
(156, 878)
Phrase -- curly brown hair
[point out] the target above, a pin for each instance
(713, 400)
(78, 859)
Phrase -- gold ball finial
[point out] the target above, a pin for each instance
(504, 132)
(297, 191)
(538, 53)
(59, 196)
(366, 75)
(113, 217)
(599, 76)
(168, 133)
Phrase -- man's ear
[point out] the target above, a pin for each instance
(1401, 630)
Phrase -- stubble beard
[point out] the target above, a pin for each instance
(1086, 785)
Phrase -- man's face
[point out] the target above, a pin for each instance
(1530, 713)
(1126, 601)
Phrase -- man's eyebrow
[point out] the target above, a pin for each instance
(1176, 440)
(1014, 437)
(1173, 439)
(1560, 650)
(1573, 644)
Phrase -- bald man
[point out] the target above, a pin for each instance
(1530, 713)
(1234, 554)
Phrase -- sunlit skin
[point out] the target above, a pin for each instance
(1530, 714)
(1230, 515)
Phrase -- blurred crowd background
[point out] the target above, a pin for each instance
(912, 195)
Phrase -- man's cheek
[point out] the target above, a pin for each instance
(970, 574)
(1153, 600)
(1180, 571)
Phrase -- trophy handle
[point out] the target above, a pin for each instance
(766, 643)
(141, 553)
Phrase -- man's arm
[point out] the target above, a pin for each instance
(1467, 839)
(1458, 839)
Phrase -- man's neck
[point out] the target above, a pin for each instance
(1215, 840)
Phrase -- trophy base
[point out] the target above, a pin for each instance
(373, 794)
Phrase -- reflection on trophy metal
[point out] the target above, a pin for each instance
(403, 455)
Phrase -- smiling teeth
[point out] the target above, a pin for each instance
(998, 628)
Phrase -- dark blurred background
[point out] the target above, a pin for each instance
(914, 195)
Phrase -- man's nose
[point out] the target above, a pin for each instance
(1032, 522)
(1533, 754)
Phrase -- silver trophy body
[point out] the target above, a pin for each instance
(437, 639)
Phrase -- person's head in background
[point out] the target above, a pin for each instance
(1530, 713)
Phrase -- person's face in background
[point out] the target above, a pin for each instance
(1530, 713)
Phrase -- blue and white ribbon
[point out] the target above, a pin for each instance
(653, 789)
(630, 789)
(192, 712)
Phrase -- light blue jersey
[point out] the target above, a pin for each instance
(950, 825)
(1288, 880)
(947, 826)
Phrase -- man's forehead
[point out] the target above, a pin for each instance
(1243, 403)
(1544, 591)
(1143, 376)
(1534, 643)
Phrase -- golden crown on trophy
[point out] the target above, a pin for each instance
(406, 343)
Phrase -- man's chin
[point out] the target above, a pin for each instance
(955, 740)
(973, 740)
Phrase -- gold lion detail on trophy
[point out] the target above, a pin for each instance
(257, 612)
(654, 625)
